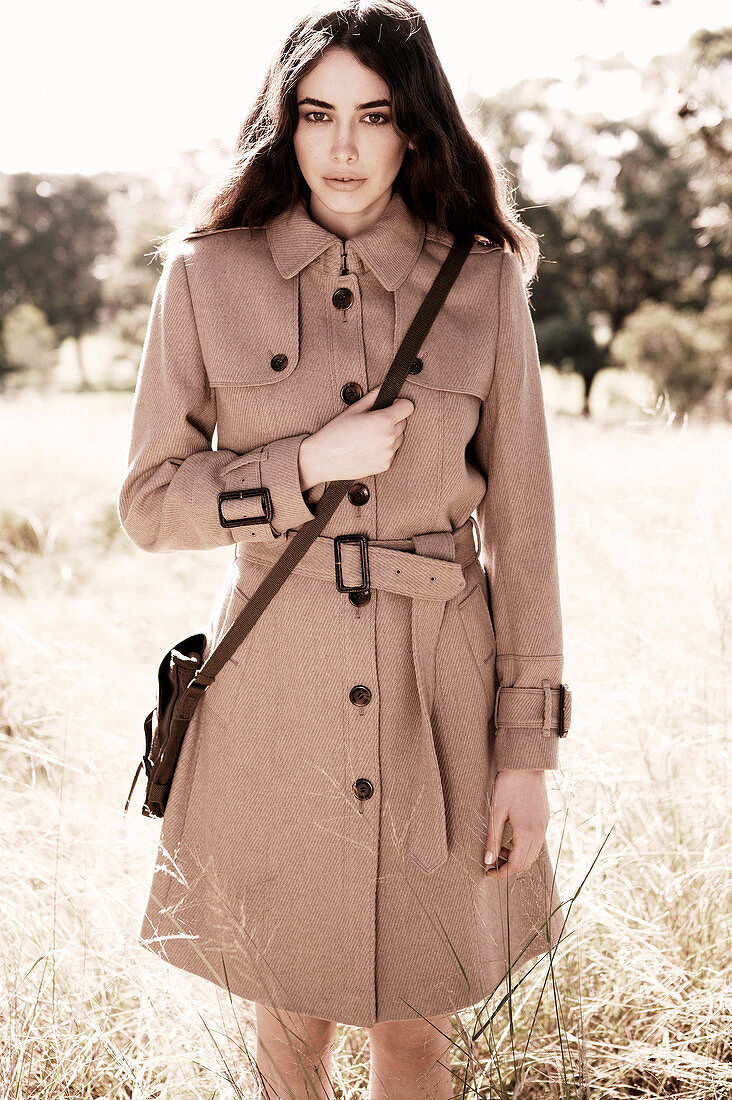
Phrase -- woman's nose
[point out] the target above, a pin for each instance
(343, 143)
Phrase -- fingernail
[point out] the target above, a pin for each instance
(488, 858)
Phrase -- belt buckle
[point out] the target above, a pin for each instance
(363, 546)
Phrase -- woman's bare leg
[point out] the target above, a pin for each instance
(294, 1055)
(410, 1060)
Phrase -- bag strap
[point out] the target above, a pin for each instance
(335, 490)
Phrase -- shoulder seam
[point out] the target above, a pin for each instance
(226, 229)
(480, 244)
(498, 328)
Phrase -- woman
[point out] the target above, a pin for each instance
(342, 780)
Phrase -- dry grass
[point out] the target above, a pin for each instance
(636, 1001)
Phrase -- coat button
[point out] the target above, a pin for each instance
(359, 494)
(342, 298)
(278, 362)
(363, 788)
(359, 598)
(360, 695)
(351, 392)
(416, 366)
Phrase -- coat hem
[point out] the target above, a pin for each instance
(298, 1006)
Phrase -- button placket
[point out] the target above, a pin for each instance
(354, 516)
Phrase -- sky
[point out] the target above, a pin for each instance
(89, 86)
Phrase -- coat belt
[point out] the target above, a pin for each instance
(429, 569)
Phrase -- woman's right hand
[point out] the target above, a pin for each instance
(358, 442)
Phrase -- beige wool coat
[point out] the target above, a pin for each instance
(322, 846)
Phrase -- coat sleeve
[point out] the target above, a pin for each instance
(168, 499)
(516, 520)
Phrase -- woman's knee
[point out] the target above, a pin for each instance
(279, 1031)
(413, 1039)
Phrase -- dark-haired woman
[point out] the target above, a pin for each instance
(356, 828)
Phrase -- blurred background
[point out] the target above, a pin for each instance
(611, 120)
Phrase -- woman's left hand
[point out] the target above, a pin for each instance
(519, 796)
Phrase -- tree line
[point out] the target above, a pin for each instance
(633, 217)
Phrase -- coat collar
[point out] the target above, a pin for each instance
(390, 247)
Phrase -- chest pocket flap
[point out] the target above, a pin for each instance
(459, 350)
(247, 315)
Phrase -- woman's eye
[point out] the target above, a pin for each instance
(382, 118)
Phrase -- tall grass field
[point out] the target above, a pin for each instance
(636, 1000)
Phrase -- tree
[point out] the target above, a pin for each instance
(54, 231)
(627, 210)
(693, 90)
(686, 352)
(30, 345)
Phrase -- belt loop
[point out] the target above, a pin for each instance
(436, 544)
(547, 725)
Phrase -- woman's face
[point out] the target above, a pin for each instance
(344, 129)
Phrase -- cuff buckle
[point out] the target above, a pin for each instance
(240, 494)
(563, 729)
(547, 720)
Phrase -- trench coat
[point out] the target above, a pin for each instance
(322, 845)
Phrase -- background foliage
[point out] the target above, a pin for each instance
(635, 233)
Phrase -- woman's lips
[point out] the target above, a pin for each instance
(343, 185)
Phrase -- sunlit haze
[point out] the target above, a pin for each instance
(90, 87)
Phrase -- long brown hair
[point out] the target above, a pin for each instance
(447, 179)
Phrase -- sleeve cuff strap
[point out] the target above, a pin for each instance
(544, 709)
(274, 466)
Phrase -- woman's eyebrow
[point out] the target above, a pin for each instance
(361, 106)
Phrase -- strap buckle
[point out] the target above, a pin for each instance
(201, 680)
(240, 494)
(362, 541)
